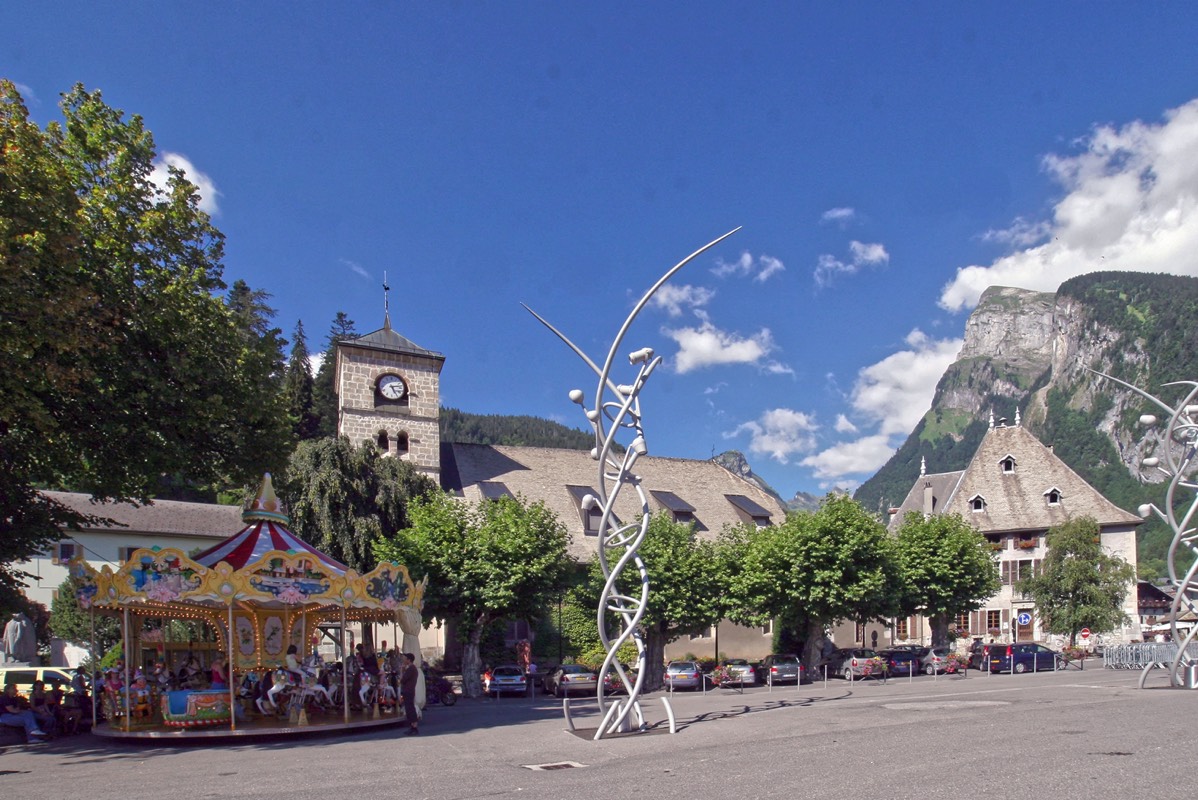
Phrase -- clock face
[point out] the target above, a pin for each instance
(392, 387)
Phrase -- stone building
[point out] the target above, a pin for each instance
(1013, 491)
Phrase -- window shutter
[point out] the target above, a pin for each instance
(1006, 620)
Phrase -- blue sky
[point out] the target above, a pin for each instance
(887, 162)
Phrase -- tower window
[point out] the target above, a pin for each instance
(384, 441)
(401, 443)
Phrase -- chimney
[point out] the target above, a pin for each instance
(928, 500)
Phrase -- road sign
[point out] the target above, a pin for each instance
(1085, 632)
(1024, 618)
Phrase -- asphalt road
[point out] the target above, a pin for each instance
(1088, 734)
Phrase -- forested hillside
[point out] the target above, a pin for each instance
(521, 431)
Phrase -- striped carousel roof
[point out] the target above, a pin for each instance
(266, 530)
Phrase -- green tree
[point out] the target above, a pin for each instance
(687, 587)
(499, 559)
(119, 362)
(343, 499)
(297, 388)
(70, 622)
(324, 389)
(947, 569)
(1079, 585)
(819, 567)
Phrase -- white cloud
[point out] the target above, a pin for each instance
(1130, 203)
(761, 268)
(860, 456)
(717, 388)
(707, 345)
(673, 298)
(891, 395)
(779, 434)
(871, 254)
(205, 187)
(27, 94)
(356, 268)
(861, 255)
(897, 391)
(838, 216)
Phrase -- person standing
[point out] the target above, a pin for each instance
(407, 687)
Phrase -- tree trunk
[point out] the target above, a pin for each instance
(472, 685)
(655, 647)
(939, 629)
(812, 645)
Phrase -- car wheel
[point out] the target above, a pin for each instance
(929, 670)
(848, 673)
(1021, 668)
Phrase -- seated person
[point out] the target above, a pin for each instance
(219, 676)
(39, 705)
(190, 674)
(141, 698)
(13, 711)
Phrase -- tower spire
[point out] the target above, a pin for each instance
(386, 303)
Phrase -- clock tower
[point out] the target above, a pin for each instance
(388, 392)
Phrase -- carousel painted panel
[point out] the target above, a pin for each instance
(293, 579)
(164, 575)
(386, 586)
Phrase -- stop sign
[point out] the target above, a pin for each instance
(1085, 632)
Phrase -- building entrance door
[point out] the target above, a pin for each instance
(1024, 624)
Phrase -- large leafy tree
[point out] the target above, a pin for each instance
(119, 361)
(815, 568)
(947, 569)
(342, 498)
(1080, 585)
(687, 589)
(498, 559)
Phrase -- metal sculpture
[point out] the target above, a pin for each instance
(620, 541)
(1179, 446)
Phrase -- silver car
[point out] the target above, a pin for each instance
(740, 671)
(683, 675)
(781, 668)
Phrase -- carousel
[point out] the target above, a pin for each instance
(229, 641)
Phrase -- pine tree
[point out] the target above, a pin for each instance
(298, 387)
(324, 393)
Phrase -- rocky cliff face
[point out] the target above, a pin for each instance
(735, 462)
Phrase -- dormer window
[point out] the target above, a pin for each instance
(749, 511)
(977, 504)
(1007, 465)
(1053, 496)
(590, 511)
(681, 511)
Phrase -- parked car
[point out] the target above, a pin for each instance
(683, 675)
(508, 678)
(848, 662)
(782, 668)
(934, 660)
(1020, 657)
(612, 683)
(903, 663)
(568, 678)
(740, 671)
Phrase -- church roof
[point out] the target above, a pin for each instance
(718, 497)
(1019, 484)
(162, 517)
(388, 340)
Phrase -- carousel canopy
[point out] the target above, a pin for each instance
(266, 530)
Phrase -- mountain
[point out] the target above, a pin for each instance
(1031, 354)
(517, 431)
(735, 462)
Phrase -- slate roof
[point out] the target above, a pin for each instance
(163, 517)
(542, 473)
(1015, 500)
(387, 340)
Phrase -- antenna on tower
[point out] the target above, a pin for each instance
(386, 302)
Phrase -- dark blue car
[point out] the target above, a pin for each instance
(1020, 657)
(900, 662)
